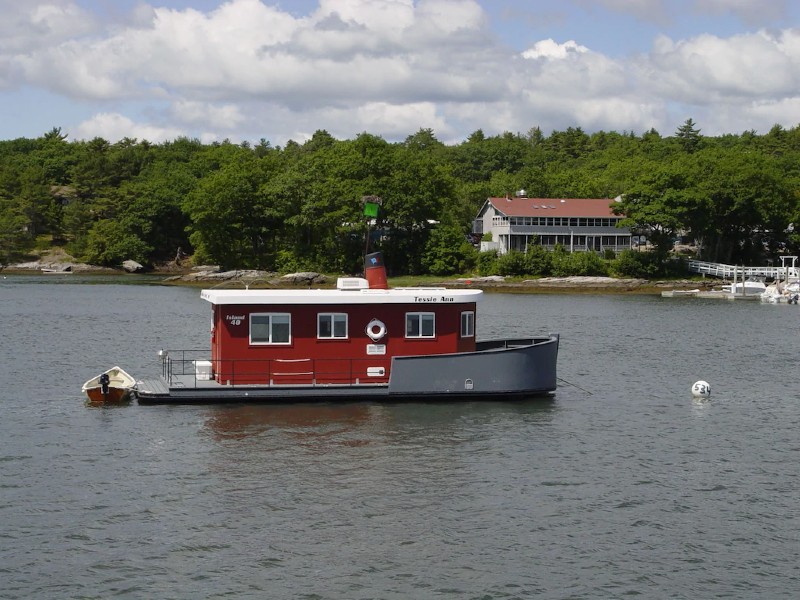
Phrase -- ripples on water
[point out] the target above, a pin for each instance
(621, 486)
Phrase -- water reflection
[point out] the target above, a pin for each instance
(308, 419)
(323, 420)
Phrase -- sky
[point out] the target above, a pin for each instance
(279, 70)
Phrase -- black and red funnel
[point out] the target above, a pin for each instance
(375, 271)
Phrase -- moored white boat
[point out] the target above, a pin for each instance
(111, 386)
(780, 293)
(746, 288)
(787, 290)
(46, 271)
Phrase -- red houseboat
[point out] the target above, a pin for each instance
(361, 340)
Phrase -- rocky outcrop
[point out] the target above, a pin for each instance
(251, 277)
(131, 266)
(307, 278)
(479, 280)
(576, 283)
(46, 265)
(586, 282)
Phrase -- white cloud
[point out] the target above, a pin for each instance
(405, 119)
(710, 69)
(550, 49)
(33, 24)
(113, 126)
(27, 27)
(190, 113)
(250, 69)
(759, 115)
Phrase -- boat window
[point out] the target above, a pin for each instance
(467, 324)
(420, 325)
(332, 325)
(270, 328)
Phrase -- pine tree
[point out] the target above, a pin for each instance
(688, 136)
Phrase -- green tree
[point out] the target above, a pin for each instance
(109, 242)
(447, 251)
(14, 238)
(656, 207)
(577, 264)
(418, 195)
(227, 222)
(688, 136)
(642, 265)
(746, 204)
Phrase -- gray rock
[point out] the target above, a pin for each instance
(588, 282)
(486, 279)
(307, 277)
(131, 266)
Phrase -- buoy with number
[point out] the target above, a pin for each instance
(701, 389)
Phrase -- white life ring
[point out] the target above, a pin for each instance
(376, 330)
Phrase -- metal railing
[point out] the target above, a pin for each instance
(194, 368)
(724, 271)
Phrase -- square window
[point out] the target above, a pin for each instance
(420, 325)
(270, 328)
(332, 326)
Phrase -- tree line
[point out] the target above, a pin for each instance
(298, 207)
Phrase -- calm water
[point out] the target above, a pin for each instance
(621, 485)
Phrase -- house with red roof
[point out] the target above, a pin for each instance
(577, 224)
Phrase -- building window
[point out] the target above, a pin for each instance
(467, 324)
(332, 326)
(420, 325)
(271, 328)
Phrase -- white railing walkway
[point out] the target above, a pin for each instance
(738, 272)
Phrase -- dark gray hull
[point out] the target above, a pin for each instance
(500, 369)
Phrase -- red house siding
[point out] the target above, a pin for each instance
(307, 359)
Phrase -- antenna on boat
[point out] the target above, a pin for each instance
(372, 208)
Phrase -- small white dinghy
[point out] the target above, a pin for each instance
(114, 385)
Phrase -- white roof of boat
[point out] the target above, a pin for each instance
(334, 296)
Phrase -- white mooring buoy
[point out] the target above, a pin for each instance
(701, 389)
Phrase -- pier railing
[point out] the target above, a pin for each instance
(724, 271)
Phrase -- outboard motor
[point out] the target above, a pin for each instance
(104, 381)
(375, 272)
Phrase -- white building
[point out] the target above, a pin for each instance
(577, 224)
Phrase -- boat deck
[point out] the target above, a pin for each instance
(188, 389)
(499, 369)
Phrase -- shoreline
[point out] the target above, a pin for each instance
(204, 275)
